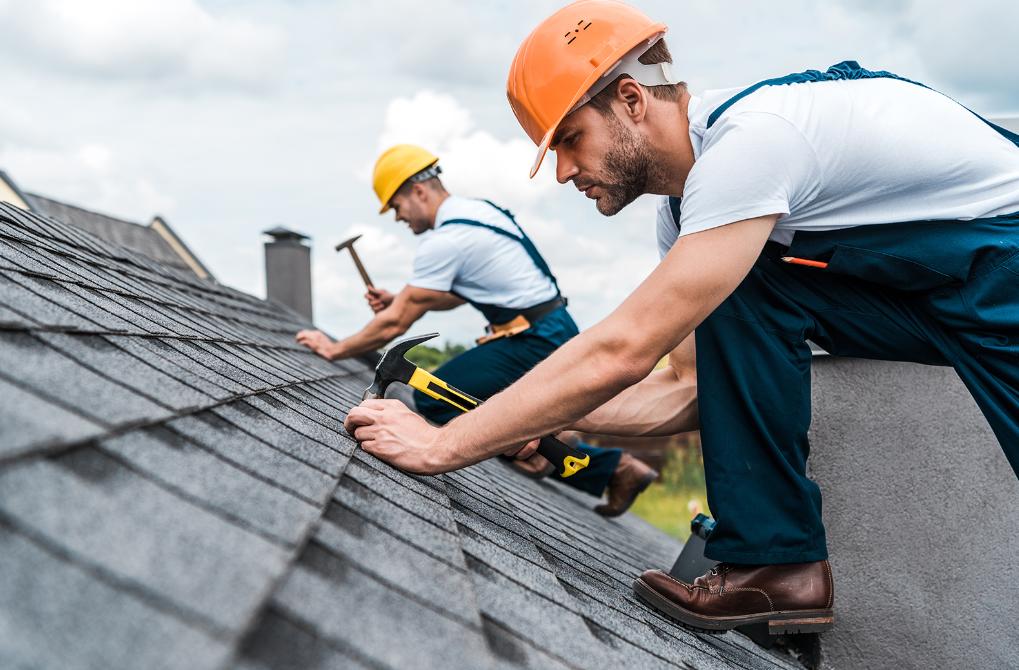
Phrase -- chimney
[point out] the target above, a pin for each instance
(288, 270)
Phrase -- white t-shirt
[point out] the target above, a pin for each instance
(835, 154)
(478, 264)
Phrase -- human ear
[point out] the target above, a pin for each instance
(633, 98)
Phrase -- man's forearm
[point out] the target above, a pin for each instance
(379, 332)
(588, 371)
(664, 403)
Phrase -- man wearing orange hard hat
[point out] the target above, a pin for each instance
(472, 251)
(853, 208)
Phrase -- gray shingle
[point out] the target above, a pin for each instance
(25, 258)
(331, 596)
(11, 320)
(438, 539)
(235, 358)
(168, 457)
(51, 374)
(113, 314)
(57, 615)
(435, 511)
(307, 397)
(106, 516)
(368, 469)
(536, 576)
(510, 650)
(16, 296)
(280, 644)
(76, 299)
(100, 354)
(290, 398)
(207, 359)
(154, 313)
(379, 551)
(182, 354)
(273, 407)
(281, 436)
(157, 353)
(28, 422)
(218, 435)
(529, 615)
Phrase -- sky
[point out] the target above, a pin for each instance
(229, 117)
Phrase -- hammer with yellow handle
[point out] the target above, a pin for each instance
(394, 367)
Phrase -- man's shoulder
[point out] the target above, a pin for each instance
(469, 209)
(456, 207)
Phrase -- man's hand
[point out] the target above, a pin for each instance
(389, 431)
(535, 466)
(378, 299)
(317, 341)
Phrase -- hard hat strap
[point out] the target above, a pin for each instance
(657, 74)
(426, 174)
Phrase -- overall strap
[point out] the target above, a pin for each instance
(524, 240)
(844, 71)
(675, 205)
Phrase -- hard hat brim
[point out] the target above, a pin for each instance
(543, 149)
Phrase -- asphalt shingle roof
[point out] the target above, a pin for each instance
(137, 237)
(177, 491)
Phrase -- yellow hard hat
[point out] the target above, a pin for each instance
(396, 165)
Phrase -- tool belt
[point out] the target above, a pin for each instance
(521, 322)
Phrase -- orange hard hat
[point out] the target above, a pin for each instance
(567, 55)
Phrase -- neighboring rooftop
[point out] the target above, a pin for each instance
(177, 491)
(157, 240)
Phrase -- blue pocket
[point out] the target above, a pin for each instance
(886, 269)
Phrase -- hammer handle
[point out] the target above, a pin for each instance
(568, 460)
(360, 267)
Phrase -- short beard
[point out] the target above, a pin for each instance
(627, 168)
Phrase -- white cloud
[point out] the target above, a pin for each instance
(90, 175)
(475, 162)
(971, 47)
(142, 39)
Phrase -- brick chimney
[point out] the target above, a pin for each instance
(288, 269)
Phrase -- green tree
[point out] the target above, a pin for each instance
(430, 358)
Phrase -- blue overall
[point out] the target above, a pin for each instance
(489, 368)
(933, 292)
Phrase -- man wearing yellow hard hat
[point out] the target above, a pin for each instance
(475, 252)
(854, 208)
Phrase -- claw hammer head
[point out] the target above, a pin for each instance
(394, 366)
(349, 246)
(346, 243)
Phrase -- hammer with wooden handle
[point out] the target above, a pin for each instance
(349, 246)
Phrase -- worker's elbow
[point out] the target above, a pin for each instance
(392, 329)
(624, 361)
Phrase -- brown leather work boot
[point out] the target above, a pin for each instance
(792, 598)
(630, 478)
